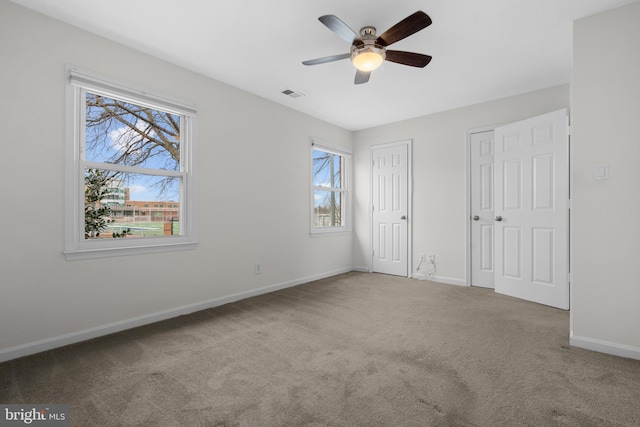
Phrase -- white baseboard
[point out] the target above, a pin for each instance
(440, 279)
(605, 347)
(98, 331)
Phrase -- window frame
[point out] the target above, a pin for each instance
(345, 191)
(76, 247)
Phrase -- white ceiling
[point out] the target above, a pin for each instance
(482, 49)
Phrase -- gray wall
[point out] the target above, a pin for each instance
(606, 229)
(440, 174)
(253, 193)
(253, 189)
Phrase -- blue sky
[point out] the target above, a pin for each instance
(114, 136)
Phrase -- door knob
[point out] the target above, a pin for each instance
(498, 218)
(476, 217)
(403, 217)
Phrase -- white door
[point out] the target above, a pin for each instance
(531, 209)
(390, 199)
(482, 263)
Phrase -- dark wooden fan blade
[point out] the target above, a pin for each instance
(409, 25)
(340, 28)
(327, 59)
(362, 77)
(408, 58)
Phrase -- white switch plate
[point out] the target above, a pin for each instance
(602, 171)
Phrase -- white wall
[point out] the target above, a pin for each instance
(252, 195)
(243, 139)
(440, 174)
(606, 227)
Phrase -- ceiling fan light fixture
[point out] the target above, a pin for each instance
(367, 58)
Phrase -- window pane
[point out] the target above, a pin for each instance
(327, 169)
(327, 208)
(127, 134)
(116, 202)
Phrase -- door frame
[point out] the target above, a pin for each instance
(372, 148)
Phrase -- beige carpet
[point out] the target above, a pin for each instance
(354, 350)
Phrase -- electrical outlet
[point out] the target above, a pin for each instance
(431, 258)
(423, 257)
(258, 267)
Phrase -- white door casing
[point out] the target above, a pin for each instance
(482, 217)
(531, 209)
(390, 209)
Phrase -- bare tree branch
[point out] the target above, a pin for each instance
(119, 132)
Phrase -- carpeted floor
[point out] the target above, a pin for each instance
(354, 350)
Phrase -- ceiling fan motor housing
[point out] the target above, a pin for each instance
(369, 53)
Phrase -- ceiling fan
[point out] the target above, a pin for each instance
(368, 51)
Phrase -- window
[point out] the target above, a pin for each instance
(126, 148)
(329, 189)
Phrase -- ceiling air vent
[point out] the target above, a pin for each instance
(292, 93)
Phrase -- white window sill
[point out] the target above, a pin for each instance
(80, 254)
(331, 232)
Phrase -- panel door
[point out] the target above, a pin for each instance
(482, 177)
(390, 210)
(531, 209)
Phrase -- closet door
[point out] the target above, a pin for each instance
(531, 209)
